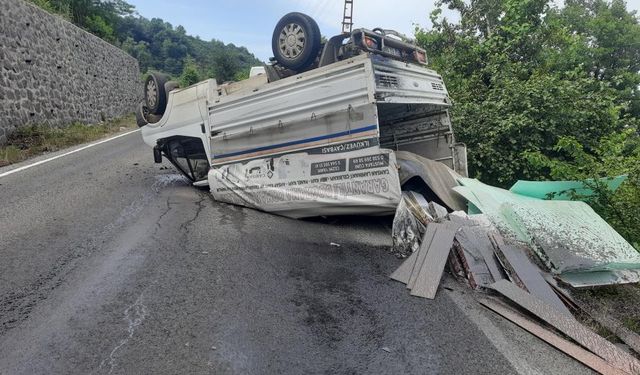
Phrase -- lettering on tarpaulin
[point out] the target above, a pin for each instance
(335, 191)
(330, 166)
(345, 147)
(369, 162)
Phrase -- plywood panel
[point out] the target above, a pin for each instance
(428, 279)
(570, 327)
(576, 352)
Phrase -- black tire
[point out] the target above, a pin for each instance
(170, 86)
(141, 114)
(155, 96)
(296, 41)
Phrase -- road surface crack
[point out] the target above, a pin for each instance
(166, 211)
(185, 226)
(16, 306)
(134, 315)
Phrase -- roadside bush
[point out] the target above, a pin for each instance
(615, 154)
(189, 74)
(543, 92)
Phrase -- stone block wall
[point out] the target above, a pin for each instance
(54, 73)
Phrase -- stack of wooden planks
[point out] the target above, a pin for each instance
(423, 269)
(475, 250)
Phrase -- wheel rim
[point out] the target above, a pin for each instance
(292, 41)
(152, 90)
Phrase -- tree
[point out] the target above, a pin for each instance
(521, 78)
(616, 154)
(225, 68)
(545, 92)
(189, 74)
(155, 43)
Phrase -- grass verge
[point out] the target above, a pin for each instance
(35, 140)
(621, 302)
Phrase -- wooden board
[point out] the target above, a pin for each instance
(472, 260)
(612, 324)
(629, 337)
(424, 248)
(455, 264)
(570, 327)
(403, 273)
(576, 352)
(480, 237)
(428, 278)
(530, 277)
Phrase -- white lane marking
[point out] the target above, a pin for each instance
(65, 154)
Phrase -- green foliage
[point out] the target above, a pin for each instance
(532, 83)
(46, 5)
(159, 46)
(35, 139)
(156, 44)
(241, 75)
(615, 154)
(98, 26)
(190, 74)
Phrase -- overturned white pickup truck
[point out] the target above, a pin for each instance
(341, 132)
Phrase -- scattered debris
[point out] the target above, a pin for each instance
(438, 212)
(474, 247)
(515, 260)
(430, 272)
(583, 356)
(409, 224)
(600, 314)
(599, 278)
(569, 326)
(568, 236)
(467, 255)
(422, 270)
(627, 336)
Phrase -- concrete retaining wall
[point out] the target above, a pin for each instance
(52, 72)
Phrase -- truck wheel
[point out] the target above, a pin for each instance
(141, 115)
(296, 41)
(155, 96)
(170, 86)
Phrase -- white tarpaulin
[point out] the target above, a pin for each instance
(321, 181)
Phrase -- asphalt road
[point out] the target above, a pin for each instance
(110, 264)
